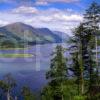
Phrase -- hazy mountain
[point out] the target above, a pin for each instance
(65, 37)
(21, 33)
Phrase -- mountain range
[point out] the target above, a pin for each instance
(20, 33)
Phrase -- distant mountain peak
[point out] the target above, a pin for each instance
(17, 23)
(31, 34)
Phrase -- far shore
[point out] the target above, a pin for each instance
(15, 55)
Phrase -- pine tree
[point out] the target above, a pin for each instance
(91, 22)
(58, 69)
(80, 55)
(27, 93)
(58, 72)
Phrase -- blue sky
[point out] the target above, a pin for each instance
(60, 15)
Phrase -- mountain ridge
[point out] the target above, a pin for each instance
(23, 33)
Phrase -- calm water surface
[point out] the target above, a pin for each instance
(28, 71)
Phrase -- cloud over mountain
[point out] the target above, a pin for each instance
(53, 18)
(42, 13)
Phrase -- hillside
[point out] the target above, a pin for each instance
(65, 37)
(21, 33)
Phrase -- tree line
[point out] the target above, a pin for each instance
(85, 82)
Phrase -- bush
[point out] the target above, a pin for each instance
(80, 98)
(95, 97)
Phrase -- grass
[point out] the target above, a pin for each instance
(14, 48)
(15, 55)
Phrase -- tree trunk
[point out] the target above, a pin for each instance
(15, 97)
(62, 90)
(81, 68)
(82, 84)
(8, 95)
(97, 66)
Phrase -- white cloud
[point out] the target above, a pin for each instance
(2, 23)
(25, 10)
(37, 2)
(45, 2)
(55, 19)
